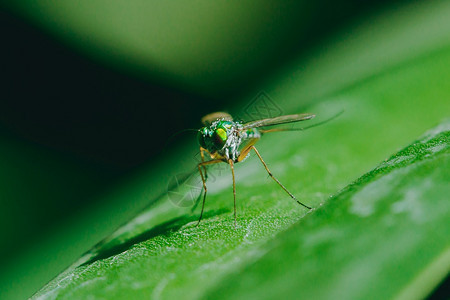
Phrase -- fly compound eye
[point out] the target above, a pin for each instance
(201, 138)
(219, 138)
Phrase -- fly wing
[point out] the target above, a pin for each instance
(209, 118)
(278, 120)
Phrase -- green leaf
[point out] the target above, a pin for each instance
(383, 235)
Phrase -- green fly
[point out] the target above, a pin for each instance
(229, 141)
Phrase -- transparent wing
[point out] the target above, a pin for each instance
(278, 120)
(302, 128)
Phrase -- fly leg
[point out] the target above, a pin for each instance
(234, 189)
(202, 156)
(276, 180)
(200, 166)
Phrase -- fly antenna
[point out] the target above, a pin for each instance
(169, 140)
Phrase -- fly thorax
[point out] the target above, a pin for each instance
(231, 149)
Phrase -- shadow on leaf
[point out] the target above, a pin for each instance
(104, 251)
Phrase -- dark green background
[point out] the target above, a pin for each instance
(84, 109)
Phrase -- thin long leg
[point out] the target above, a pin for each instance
(234, 189)
(279, 183)
(197, 201)
(202, 155)
(200, 165)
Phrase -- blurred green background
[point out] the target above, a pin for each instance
(92, 91)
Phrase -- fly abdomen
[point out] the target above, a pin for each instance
(251, 133)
